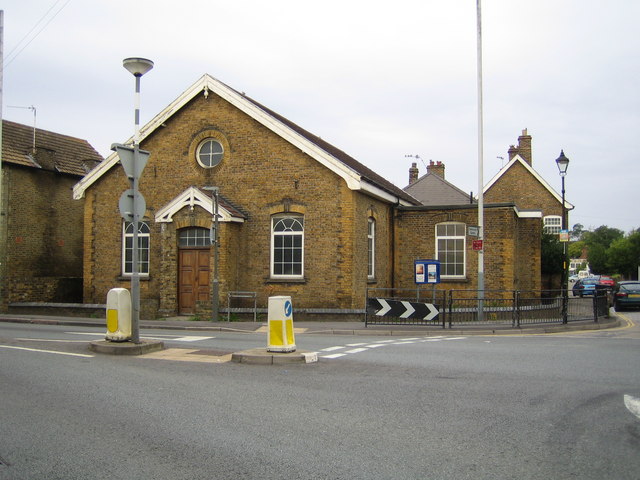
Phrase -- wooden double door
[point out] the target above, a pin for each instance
(193, 278)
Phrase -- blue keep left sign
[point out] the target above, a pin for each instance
(288, 308)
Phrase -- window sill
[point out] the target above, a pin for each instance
(285, 280)
(127, 278)
(454, 280)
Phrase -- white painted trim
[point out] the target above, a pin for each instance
(206, 82)
(191, 198)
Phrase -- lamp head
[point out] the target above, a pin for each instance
(563, 163)
(137, 66)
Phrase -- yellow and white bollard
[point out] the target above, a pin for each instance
(280, 337)
(118, 315)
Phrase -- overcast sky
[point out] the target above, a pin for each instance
(378, 80)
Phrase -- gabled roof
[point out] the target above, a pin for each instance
(432, 189)
(193, 196)
(519, 159)
(53, 151)
(356, 175)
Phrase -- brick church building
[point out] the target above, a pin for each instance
(297, 216)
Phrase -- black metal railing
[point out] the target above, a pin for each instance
(489, 307)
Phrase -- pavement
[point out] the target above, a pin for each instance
(325, 327)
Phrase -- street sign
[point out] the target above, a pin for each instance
(382, 307)
(132, 165)
(473, 231)
(126, 205)
(477, 244)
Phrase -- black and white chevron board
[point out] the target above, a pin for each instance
(402, 309)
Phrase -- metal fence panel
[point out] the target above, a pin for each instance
(490, 307)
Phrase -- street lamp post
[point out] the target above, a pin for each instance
(215, 241)
(138, 67)
(563, 165)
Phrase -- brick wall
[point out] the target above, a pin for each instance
(511, 247)
(519, 186)
(44, 236)
(262, 175)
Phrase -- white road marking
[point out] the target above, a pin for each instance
(189, 338)
(632, 404)
(335, 355)
(381, 343)
(50, 340)
(47, 351)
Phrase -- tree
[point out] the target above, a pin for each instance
(597, 243)
(577, 231)
(623, 255)
(576, 249)
(597, 259)
(551, 254)
(603, 236)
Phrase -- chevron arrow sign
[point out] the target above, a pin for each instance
(382, 307)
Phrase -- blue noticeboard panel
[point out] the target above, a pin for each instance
(426, 271)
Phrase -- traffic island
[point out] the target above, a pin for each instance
(260, 356)
(126, 348)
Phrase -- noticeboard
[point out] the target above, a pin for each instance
(426, 271)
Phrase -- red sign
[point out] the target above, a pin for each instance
(477, 244)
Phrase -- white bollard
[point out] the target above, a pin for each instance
(280, 337)
(118, 315)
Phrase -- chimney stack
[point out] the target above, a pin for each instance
(413, 173)
(437, 168)
(523, 149)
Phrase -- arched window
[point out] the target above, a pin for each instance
(450, 249)
(194, 237)
(143, 248)
(287, 246)
(371, 248)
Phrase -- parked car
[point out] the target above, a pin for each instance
(626, 295)
(587, 286)
(607, 281)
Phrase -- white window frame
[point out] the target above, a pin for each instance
(552, 224)
(194, 237)
(214, 157)
(458, 242)
(144, 258)
(371, 248)
(277, 267)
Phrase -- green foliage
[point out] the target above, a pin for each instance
(623, 255)
(603, 236)
(598, 259)
(551, 254)
(576, 248)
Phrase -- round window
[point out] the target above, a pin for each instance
(209, 153)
